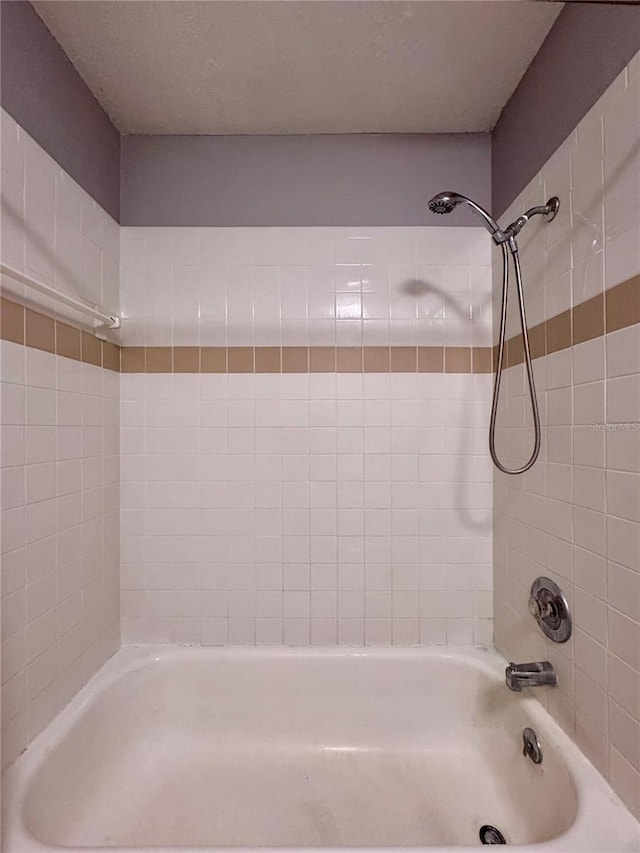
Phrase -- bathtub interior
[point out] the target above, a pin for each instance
(293, 751)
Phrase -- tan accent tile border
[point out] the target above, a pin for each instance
(158, 360)
(306, 360)
(558, 332)
(323, 359)
(404, 359)
(11, 321)
(538, 340)
(267, 360)
(294, 359)
(622, 305)
(39, 331)
(186, 359)
(110, 356)
(213, 359)
(617, 308)
(132, 360)
(22, 325)
(91, 350)
(377, 360)
(240, 360)
(68, 341)
(349, 359)
(457, 359)
(482, 361)
(588, 320)
(515, 351)
(431, 359)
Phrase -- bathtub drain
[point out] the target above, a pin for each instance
(490, 835)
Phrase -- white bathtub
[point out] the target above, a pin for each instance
(189, 748)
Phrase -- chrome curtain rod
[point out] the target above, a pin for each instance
(112, 321)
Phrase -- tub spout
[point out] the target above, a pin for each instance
(537, 674)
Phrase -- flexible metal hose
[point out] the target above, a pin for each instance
(527, 358)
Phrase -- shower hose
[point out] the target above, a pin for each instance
(527, 358)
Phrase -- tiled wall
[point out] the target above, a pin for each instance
(332, 502)
(306, 286)
(59, 446)
(576, 515)
(51, 228)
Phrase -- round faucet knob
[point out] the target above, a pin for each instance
(535, 608)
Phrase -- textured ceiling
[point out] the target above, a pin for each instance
(271, 66)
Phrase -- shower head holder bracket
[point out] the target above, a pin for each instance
(549, 211)
(553, 206)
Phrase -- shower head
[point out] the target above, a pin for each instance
(445, 202)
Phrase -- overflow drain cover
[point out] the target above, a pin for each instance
(490, 835)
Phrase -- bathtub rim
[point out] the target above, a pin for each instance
(595, 798)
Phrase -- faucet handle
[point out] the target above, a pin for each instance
(549, 607)
(535, 609)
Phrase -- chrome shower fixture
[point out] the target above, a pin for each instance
(445, 202)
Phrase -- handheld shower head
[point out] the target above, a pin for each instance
(445, 202)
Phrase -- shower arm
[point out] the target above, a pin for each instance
(445, 202)
(500, 237)
(548, 210)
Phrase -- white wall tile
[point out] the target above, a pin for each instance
(590, 458)
(60, 576)
(278, 286)
(302, 577)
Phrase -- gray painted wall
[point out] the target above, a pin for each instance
(585, 50)
(309, 180)
(352, 179)
(44, 93)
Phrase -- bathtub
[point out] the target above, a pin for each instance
(185, 748)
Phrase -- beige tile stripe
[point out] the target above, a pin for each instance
(24, 326)
(615, 309)
(306, 360)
